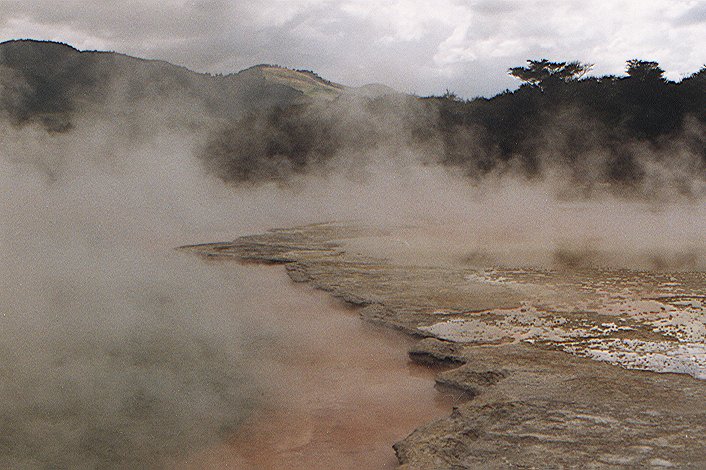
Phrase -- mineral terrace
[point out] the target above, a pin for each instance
(563, 368)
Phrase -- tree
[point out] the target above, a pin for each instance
(541, 73)
(451, 96)
(644, 70)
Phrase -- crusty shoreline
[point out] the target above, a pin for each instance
(533, 405)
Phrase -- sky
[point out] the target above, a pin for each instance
(416, 46)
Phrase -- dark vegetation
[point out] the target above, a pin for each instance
(607, 129)
(628, 133)
(625, 133)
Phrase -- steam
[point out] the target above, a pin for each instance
(118, 351)
(565, 147)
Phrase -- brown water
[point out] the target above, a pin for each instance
(341, 391)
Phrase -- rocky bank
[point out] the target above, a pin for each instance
(563, 369)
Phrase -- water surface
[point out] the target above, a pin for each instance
(340, 391)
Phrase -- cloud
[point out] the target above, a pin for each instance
(418, 46)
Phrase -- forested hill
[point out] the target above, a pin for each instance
(634, 134)
(611, 125)
(637, 134)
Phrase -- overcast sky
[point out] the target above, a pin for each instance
(418, 46)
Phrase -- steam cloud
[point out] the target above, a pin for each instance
(529, 135)
(116, 351)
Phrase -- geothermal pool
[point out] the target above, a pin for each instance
(338, 391)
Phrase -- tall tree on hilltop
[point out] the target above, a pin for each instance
(644, 70)
(543, 73)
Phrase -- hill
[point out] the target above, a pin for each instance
(48, 82)
(635, 135)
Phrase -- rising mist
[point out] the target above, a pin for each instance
(118, 350)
